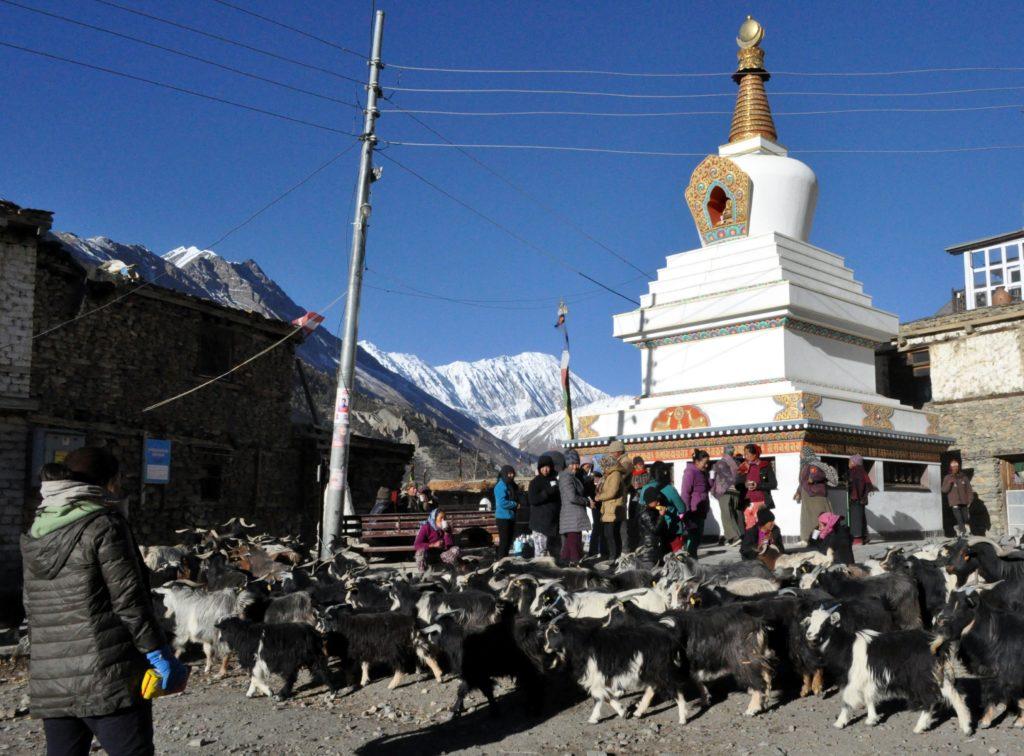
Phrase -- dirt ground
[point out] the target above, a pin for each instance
(215, 717)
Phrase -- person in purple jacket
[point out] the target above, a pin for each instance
(435, 533)
(695, 495)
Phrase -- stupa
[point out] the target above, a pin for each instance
(758, 336)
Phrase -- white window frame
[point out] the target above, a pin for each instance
(1004, 267)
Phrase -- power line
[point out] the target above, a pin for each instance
(175, 88)
(660, 153)
(182, 54)
(218, 241)
(693, 96)
(290, 28)
(242, 364)
(229, 41)
(493, 304)
(698, 74)
(559, 216)
(506, 229)
(682, 113)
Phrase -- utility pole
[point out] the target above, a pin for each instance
(338, 481)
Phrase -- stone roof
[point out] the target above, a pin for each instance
(961, 320)
(12, 214)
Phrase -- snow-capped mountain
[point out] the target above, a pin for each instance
(540, 434)
(397, 407)
(497, 391)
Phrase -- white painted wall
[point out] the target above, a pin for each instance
(888, 511)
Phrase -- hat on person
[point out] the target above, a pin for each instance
(765, 516)
(728, 450)
(616, 446)
(544, 461)
(572, 457)
(638, 460)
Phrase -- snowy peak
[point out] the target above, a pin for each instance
(182, 256)
(494, 391)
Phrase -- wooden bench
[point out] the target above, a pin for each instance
(395, 533)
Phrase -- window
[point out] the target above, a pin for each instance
(996, 277)
(995, 256)
(980, 299)
(1012, 252)
(978, 260)
(980, 280)
(215, 350)
(1012, 472)
(904, 475)
(1014, 275)
(1015, 293)
(211, 481)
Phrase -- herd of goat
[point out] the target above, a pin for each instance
(900, 626)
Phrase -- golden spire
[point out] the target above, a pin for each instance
(752, 115)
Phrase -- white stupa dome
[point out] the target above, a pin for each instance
(784, 191)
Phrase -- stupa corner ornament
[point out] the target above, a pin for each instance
(718, 196)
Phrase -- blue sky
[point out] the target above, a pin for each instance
(139, 164)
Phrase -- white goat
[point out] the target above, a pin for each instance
(196, 613)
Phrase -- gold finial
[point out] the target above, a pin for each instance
(752, 115)
(751, 33)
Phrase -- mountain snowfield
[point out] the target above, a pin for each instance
(540, 434)
(496, 391)
(452, 404)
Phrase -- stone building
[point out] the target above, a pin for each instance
(967, 370)
(20, 230)
(234, 449)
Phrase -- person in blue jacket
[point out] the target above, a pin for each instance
(506, 501)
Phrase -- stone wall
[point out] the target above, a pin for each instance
(18, 238)
(985, 430)
(232, 447)
(985, 363)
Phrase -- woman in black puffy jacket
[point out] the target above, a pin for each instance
(91, 622)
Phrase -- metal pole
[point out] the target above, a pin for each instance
(338, 480)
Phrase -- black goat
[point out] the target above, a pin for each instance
(282, 649)
(508, 647)
(725, 640)
(610, 661)
(991, 644)
(872, 666)
(370, 638)
(897, 590)
(982, 557)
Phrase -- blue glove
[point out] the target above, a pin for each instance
(172, 672)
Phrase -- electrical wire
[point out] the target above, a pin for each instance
(695, 96)
(228, 40)
(508, 182)
(181, 53)
(175, 88)
(211, 246)
(659, 153)
(283, 25)
(699, 74)
(490, 303)
(506, 229)
(675, 114)
(242, 364)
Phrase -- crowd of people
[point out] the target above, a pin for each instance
(619, 505)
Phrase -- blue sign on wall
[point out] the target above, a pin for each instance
(157, 456)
